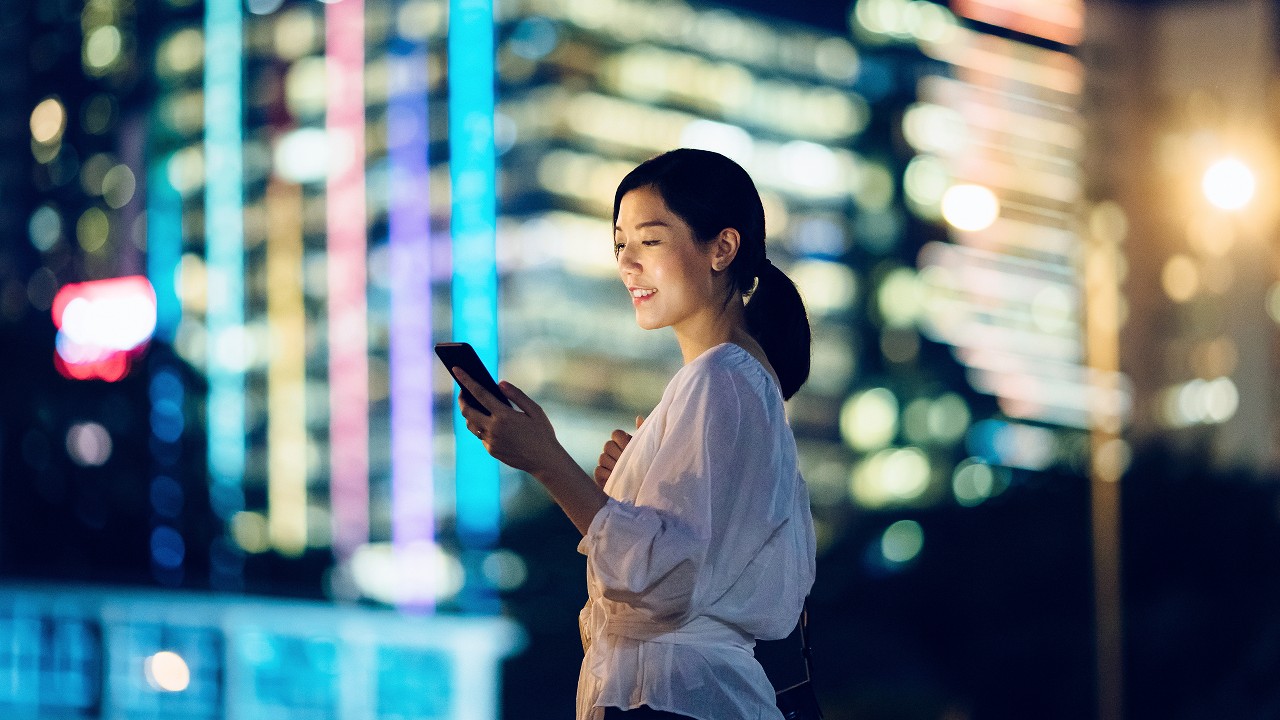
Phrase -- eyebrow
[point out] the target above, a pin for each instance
(645, 224)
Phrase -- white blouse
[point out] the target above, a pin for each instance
(705, 544)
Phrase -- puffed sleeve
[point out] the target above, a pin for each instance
(653, 554)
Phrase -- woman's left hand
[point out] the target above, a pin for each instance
(523, 438)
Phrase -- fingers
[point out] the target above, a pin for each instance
(607, 459)
(482, 396)
(606, 463)
(522, 401)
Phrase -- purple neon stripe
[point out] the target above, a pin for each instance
(412, 424)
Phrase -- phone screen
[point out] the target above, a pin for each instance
(462, 355)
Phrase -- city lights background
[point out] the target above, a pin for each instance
(1039, 433)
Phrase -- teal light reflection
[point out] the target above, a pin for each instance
(474, 225)
(164, 249)
(224, 252)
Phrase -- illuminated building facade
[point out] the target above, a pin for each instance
(946, 353)
(998, 141)
(583, 95)
(258, 290)
(307, 238)
(303, 230)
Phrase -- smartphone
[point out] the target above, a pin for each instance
(462, 355)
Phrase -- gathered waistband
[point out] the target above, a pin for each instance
(698, 631)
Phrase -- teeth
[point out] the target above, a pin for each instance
(642, 293)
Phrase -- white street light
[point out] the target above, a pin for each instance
(1228, 184)
(970, 207)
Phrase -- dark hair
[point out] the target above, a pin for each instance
(710, 193)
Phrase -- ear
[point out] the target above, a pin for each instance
(724, 248)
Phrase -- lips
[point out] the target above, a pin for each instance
(640, 294)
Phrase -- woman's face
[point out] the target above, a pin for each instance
(666, 271)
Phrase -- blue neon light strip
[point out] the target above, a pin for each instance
(166, 393)
(224, 252)
(409, 227)
(474, 226)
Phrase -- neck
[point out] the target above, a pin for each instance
(706, 330)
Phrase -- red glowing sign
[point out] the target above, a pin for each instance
(102, 326)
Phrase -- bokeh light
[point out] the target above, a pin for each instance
(889, 477)
(948, 418)
(827, 287)
(931, 128)
(505, 569)
(180, 53)
(1199, 401)
(1013, 444)
(973, 481)
(48, 121)
(1273, 302)
(89, 444)
(118, 186)
(379, 572)
(900, 297)
(970, 207)
(902, 541)
(263, 7)
(1229, 184)
(869, 419)
(167, 671)
(98, 113)
(1180, 278)
(924, 182)
(303, 155)
(249, 530)
(102, 47)
(185, 169)
(45, 228)
(167, 547)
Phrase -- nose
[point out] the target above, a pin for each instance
(627, 260)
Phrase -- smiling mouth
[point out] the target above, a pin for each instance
(642, 293)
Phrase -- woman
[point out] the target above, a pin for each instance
(697, 530)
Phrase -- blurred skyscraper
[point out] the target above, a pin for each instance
(1184, 162)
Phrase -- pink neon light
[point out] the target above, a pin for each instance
(348, 306)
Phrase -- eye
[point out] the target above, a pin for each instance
(617, 248)
(650, 243)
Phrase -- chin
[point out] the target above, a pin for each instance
(648, 322)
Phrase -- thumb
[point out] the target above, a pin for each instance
(522, 401)
(638, 421)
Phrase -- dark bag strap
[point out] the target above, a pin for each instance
(805, 649)
(800, 702)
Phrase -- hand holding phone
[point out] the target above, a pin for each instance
(462, 355)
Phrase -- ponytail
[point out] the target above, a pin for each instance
(777, 320)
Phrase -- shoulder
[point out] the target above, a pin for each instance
(732, 365)
(717, 369)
